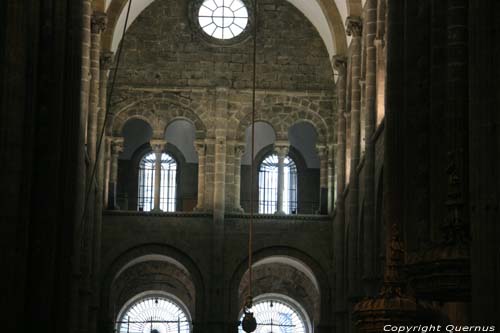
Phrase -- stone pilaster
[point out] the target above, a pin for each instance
(200, 147)
(100, 173)
(221, 105)
(369, 251)
(107, 169)
(340, 65)
(158, 146)
(86, 41)
(354, 29)
(82, 271)
(238, 153)
(323, 178)
(98, 24)
(116, 149)
(281, 149)
(105, 63)
(331, 177)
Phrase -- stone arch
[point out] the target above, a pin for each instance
(315, 120)
(120, 119)
(153, 294)
(199, 126)
(293, 254)
(159, 114)
(153, 273)
(247, 122)
(282, 117)
(152, 252)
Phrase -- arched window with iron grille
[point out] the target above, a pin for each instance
(268, 185)
(168, 184)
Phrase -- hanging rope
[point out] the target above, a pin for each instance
(106, 116)
(250, 226)
(249, 324)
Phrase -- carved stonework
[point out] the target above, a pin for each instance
(394, 304)
(442, 272)
(106, 60)
(281, 148)
(322, 151)
(98, 22)
(354, 26)
(158, 145)
(116, 145)
(340, 64)
(239, 150)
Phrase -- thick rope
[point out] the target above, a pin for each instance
(250, 226)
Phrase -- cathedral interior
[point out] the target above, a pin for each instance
(175, 166)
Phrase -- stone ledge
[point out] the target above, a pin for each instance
(229, 216)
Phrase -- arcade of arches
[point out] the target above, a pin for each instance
(129, 181)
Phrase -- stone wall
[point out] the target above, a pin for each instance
(137, 240)
(169, 72)
(163, 47)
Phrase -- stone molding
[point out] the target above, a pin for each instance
(354, 26)
(98, 22)
(106, 60)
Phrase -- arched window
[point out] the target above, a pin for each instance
(160, 314)
(168, 184)
(268, 185)
(277, 315)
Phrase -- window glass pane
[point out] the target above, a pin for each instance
(268, 185)
(231, 16)
(168, 183)
(159, 313)
(276, 316)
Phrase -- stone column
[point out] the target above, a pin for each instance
(331, 178)
(323, 178)
(282, 150)
(221, 106)
(105, 61)
(98, 24)
(116, 149)
(200, 149)
(369, 253)
(339, 63)
(238, 152)
(107, 169)
(354, 28)
(158, 146)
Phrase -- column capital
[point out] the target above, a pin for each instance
(281, 148)
(199, 146)
(339, 64)
(106, 60)
(98, 22)
(379, 43)
(347, 115)
(158, 145)
(239, 149)
(354, 26)
(116, 145)
(322, 150)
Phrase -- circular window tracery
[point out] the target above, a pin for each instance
(223, 19)
(151, 314)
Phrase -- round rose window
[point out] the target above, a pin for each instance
(223, 19)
